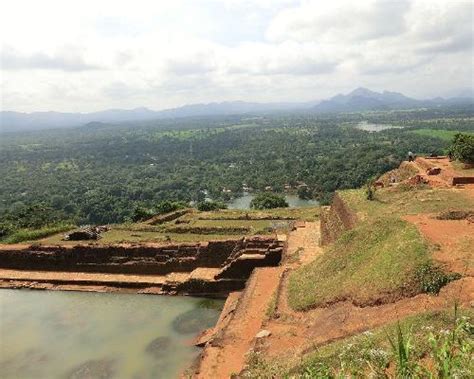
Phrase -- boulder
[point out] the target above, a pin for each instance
(263, 333)
(82, 234)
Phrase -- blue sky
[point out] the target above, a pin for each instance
(93, 55)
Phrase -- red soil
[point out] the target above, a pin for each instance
(454, 239)
(226, 354)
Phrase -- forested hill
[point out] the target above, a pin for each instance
(100, 173)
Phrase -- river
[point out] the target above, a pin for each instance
(54, 334)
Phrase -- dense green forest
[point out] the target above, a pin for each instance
(102, 173)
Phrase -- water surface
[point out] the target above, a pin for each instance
(54, 334)
(364, 125)
(293, 201)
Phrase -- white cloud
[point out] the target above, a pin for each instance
(66, 60)
(339, 21)
(92, 55)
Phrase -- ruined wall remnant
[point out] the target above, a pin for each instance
(137, 259)
(335, 220)
(463, 180)
(212, 268)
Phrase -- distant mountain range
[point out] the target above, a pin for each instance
(361, 99)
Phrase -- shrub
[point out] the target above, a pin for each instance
(268, 200)
(140, 213)
(206, 206)
(167, 206)
(6, 228)
(432, 278)
(370, 189)
(462, 148)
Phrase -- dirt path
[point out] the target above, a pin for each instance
(293, 335)
(302, 248)
(454, 240)
(226, 354)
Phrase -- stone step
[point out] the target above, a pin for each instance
(178, 277)
(204, 273)
(249, 257)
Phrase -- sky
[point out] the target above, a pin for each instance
(84, 56)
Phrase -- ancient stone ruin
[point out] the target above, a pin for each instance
(206, 268)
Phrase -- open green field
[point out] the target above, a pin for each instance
(446, 135)
(383, 250)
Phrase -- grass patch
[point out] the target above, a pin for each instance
(382, 250)
(385, 252)
(115, 236)
(272, 305)
(304, 214)
(433, 344)
(404, 201)
(462, 170)
(34, 234)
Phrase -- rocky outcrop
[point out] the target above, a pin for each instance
(335, 220)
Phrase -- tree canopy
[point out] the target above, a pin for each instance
(462, 148)
(268, 200)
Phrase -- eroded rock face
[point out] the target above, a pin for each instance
(158, 346)
(93, 369)
(194, 321)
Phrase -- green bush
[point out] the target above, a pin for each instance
(167, 206)
(140, 213)
(206, 206)
(431, 278)
(268, 200)
(462, 148)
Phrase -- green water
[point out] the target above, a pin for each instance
(54, 334)
(293, 201)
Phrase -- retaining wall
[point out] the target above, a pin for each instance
(143, 259)
(335, 220)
